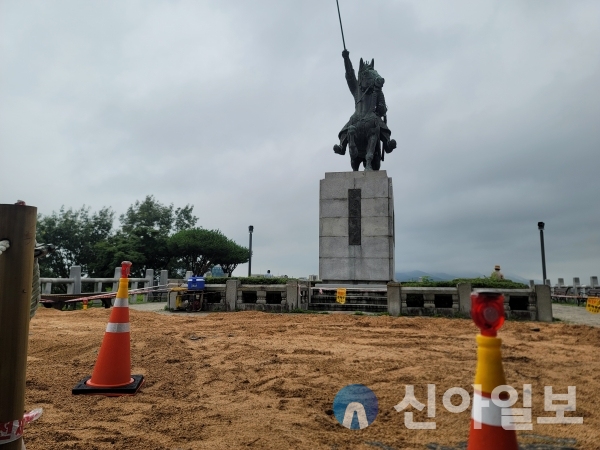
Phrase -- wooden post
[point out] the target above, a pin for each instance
(17, 224)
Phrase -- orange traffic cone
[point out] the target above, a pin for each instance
(487, 432)
(112, 372)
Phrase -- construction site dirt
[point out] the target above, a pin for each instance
(252, 380)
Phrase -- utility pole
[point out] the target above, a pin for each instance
(541, 228)
(250, 230)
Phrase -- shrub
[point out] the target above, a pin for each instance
(476, 283)
(248, 280)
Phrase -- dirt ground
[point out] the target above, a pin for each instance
(251, 380)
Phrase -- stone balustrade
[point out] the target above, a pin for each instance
(576, 287)
(75, 281)
(528, 304)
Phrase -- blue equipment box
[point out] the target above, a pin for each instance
(195, 283)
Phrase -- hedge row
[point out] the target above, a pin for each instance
(248, 280)
(476, 283)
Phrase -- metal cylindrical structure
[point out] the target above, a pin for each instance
(250, 230)
(541, 228)
(17, 224)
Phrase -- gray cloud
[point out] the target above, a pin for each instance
(234, 107)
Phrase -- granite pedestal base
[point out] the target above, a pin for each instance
(356, 228)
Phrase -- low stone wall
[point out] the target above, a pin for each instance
(524, 304)
(234, 296)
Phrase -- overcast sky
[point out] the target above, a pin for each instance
(234, 107)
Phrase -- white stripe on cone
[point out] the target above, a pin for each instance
(485, 411)
(121, 303)
(117, 327)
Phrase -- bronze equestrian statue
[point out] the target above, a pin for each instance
(366, 133)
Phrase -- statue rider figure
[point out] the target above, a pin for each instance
(368, 125)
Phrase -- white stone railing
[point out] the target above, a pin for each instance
(530, 304)
(533, 303)
(235, 296)
(576, 288)
(75, 281)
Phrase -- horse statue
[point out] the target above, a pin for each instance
(366, 132)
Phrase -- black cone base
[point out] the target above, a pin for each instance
(130, 389)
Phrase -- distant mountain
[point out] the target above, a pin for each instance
(414, 275)
(519, 279)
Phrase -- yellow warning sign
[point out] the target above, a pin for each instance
(593, 305)
(341, 295)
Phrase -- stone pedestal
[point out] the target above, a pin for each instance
(231, 290)
(464, 298)
(356, 228)
(394, 298)
(543, 303)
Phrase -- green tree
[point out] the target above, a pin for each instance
(147, 226)
(232, 256)
(75, 234)
(198, 249)
(151, 213)
(184, 219)
(86, 239)
(111, 252)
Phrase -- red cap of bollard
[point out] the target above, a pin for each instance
(487, 311)
(125, 269)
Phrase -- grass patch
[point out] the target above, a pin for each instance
(570, 304)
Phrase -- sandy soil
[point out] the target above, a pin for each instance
(252, 380)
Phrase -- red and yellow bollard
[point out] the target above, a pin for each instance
(487, 432)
